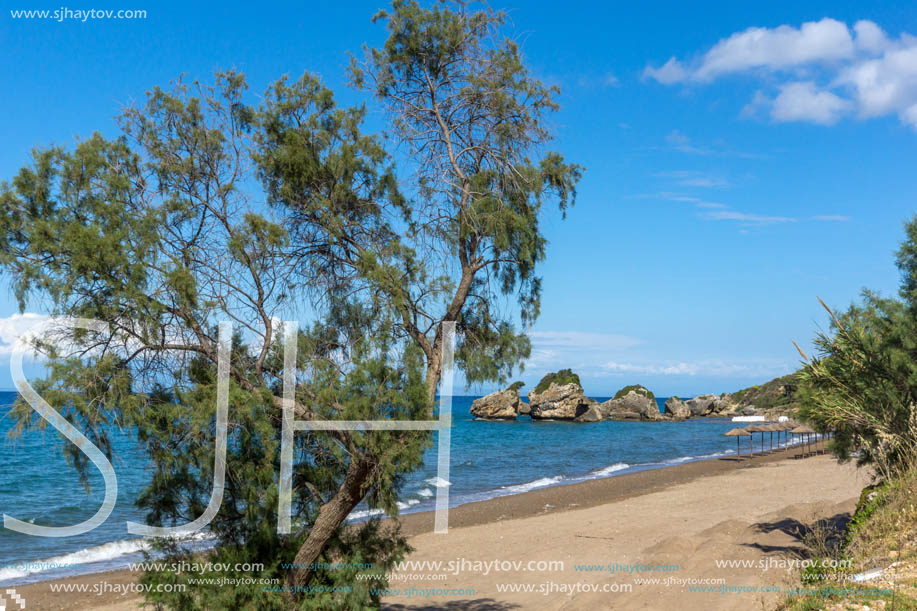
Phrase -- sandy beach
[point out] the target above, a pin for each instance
(673, 523)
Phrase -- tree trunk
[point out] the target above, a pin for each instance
(331, 515)
(433, 372)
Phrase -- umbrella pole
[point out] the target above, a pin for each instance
(738, 448)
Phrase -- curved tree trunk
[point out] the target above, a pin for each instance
(331, 515)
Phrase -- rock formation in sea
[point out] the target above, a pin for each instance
(701, 405)
(500, 405)
(632, 403)
(677, 409)
(559, 396)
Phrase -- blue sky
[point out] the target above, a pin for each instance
(741, 159)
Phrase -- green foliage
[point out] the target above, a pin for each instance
(863, 385)
(210, 206)
(880, 534)
(866, 507)
(779, 393)
(516, 385)
(637, 388)
(151, 234)
(368, 544)
(475, 121)
(562, 377)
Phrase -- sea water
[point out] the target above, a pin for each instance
(488, 459)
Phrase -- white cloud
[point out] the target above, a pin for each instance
(688, 178)
(858, 70)
(707, 368)
(778, 48)
(552, 350)
(885, 85)
(714, 211)
(804, 102)
(12, 327)
(579, 340)
(703, 181)
(769, 48)
(670, 72)
(675, 137)
(678, 141)
(678, 369)
(593, 81)
(608, 359)
(757, 219)
(870, 37)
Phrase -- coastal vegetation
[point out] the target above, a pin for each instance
(861, 387)
(211, 205)
(637, 388)
(561, 378)
(779, 394)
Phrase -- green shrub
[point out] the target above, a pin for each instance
(564, 376)
(637, 388)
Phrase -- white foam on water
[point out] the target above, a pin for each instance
(619, 466)
(366, 513)
(538, 483)
(426, 493)
(98, 553)
(438, 482)
(676, 461)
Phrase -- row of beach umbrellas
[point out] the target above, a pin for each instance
(777, 427)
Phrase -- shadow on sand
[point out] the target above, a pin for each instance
(833, 528)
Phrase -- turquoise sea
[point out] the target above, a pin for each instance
(488, 459)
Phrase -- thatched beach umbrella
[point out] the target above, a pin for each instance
(777, 427)
(737, 433)
(773, 428)
(803, 430)
(788, 427)
(785, 426)
(754, 428)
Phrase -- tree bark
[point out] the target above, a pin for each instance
(334, 512)
(331, 515)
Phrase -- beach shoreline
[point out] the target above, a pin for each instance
(554, 502)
